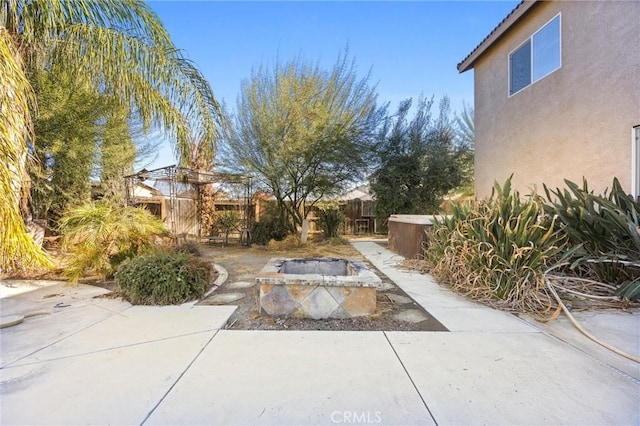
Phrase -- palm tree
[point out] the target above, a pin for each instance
(118, 46)
(465, 127)
(465, 136)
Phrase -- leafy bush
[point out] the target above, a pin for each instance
(497, 249)
(602, 230)
(330, 220)
(163, 278)
(98, 236)
(270, 227)
(227, 222)
(337, 241)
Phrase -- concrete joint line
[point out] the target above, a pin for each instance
(410, 378)
(155, 407)
(585, 354)
(112, 348)
(59, 340)
(527, 323)
(118, 313)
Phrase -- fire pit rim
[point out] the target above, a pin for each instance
(362, 276)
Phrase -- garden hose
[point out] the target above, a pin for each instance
(578, 326)
(12, 320)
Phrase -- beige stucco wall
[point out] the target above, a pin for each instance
(576, 121)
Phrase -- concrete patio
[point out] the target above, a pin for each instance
(103, 361)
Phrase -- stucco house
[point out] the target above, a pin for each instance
(557, 95)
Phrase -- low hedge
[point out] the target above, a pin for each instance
(163, 278)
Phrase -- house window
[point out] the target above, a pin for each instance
(536, 58)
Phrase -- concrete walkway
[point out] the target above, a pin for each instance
(103, 361)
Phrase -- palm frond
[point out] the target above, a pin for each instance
(165, 87)
(122, 49)
(17, 248)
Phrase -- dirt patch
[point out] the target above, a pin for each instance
(395, 310)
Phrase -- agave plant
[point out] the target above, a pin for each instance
(98, 236)
(603, 230)
(497, 249)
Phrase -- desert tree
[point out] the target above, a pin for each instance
(304, 132)
(418, 160)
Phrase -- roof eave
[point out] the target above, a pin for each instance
(504, 26)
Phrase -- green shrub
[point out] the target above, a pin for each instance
(270, 227)
(163, 278)
(337, 241)
(603, 230)
(497, 249)
(98, 236)
(331, 218)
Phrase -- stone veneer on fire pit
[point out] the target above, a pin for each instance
(317, 288)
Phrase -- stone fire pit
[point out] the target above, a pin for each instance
(317, 288)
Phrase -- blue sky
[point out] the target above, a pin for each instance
(410, 48)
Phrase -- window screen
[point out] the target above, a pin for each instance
(520, 68)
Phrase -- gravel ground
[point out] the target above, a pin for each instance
(244, 263)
